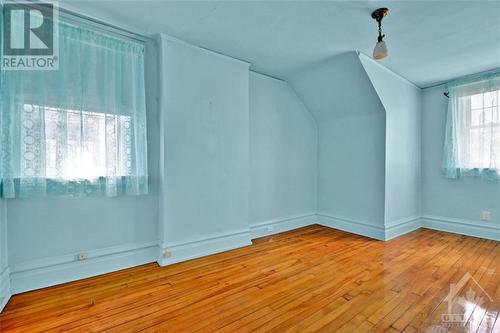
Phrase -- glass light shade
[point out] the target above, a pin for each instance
(380, 50)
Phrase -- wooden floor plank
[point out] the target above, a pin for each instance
(312, 279)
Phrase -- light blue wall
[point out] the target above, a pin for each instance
(3, 235)
(42, 228)
(351, 150)
(283, 152)
(402, 103)
(351, 168)
(39, 229)
(444, 198)
(4, 273)
(206, 144)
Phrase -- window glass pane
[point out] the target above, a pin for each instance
(484, 132)
(476, 101)
(496, 143)
(51, 146)
(111, 144)
(71, 165)
(83, 145)
(475, 150)
(476, 117)
(490, 99)
(488, 116)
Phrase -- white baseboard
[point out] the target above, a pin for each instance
(402, 227)
(486, 230)
(355, 227)
(41, 273)
(5, 292)
(202, 247)
(270, 227)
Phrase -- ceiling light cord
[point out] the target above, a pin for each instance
(380, 36)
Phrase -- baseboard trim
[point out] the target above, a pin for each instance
(462, 227)
(355, 227)
(202, 247)
(5, 292)
(266, 228)
(42, 273)
(402, 227)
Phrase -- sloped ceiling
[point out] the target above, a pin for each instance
(335, 87)
(429, 41)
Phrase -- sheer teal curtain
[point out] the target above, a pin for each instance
(79, 130)
(472, 139)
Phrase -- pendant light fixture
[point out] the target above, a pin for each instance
(380, 50)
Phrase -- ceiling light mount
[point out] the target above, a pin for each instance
(380, 50)
(378, 14)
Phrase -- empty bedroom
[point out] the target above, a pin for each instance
(249, 166)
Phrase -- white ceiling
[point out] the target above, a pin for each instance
(429, 41)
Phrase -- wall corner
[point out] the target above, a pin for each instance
(5, 291)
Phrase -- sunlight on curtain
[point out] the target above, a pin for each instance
(79, 130)
(472, 140)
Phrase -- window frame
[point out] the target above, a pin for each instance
(469, 127)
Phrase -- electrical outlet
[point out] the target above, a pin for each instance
(485, 215)
(167, 254)
(82, 256)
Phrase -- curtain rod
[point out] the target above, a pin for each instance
(89, 21)
(447, 93)
(76, 17)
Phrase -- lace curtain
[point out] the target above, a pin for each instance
(79, 130)
(472, 140)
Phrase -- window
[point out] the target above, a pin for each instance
(472, 142)
(93, 144)
(79, 130)
(483, 130)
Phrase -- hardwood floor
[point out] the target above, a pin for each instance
(313, 279)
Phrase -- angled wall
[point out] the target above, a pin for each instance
(283, 158)
(351, 144)
(402, 104)
(369, 122)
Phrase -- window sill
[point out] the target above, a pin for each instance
(102, 186)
